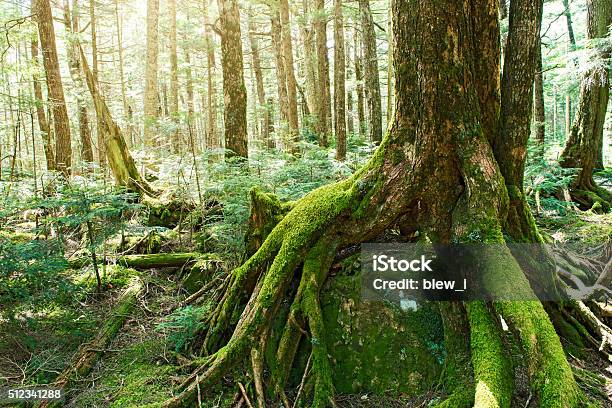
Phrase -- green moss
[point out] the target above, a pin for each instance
(492, 370)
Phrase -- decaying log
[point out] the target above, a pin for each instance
(148, 261)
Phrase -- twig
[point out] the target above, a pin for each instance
(245, 395)
(306, 371)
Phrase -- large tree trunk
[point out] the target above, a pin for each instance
(339, 82)
(586, 137)
(323, 91)
(174, 91)
(63, 147)
(510, 145)
(43, 124)
(434, 172)
(234, 90)
(370, 65)
(150, 92)
(74, 60)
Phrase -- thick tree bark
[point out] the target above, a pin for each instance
(234, 90)
(261, 93)
(63, 147)
(510, 145)
(174, 91)
(370, 65)
(323, 115)
(151, 103)
(72, 28)
(339, 82)
(586, 137)
(435, 172)
(43, 124)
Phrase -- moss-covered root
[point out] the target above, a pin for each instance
(316, 267)
(492, 370)
(551, 375)
(89, 353)
(458, 375)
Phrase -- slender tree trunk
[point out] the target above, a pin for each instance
(570, 28)
(517, 104)
(350, 121)
(150, 92)
(174, 91)
(234, 90)
(281, 76)
(290, 72)
(310, 57)
(190, 101)
(323, 91)
(94, 68)
(359, 82)
(539, 117)
(72, 28)
(586, 137)
(127, 119)
(390, 68)
(261, 94)
(339, 82)
(63, 148)
(213, 140)
(370, 64)
(43, 124)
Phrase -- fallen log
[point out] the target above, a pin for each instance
(147, 261)
(88, 353)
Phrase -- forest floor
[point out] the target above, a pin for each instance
(140, 365)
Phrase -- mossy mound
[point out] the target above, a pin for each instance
(376, 347)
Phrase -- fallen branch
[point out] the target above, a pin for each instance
(148, 261)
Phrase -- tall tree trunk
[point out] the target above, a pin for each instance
(310, 56)
(570, 27)
(436, 168)
(126, 115)
(586, 136)
(517, 104)
(339, 82)
(281, 76)
(261, 93)
(539, 117)
(63, 148)
(190, 101)
(359, 81)
(323, 91)
(94, 68)
(234, 90)
(211, 133)
(72, 29)
(119, 158)
(174, 91)
(370, 65)
(350, 120)
(43, 124)
(151, 103)
(290, 72)
(390, 68)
